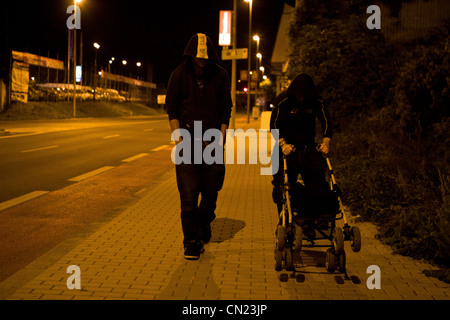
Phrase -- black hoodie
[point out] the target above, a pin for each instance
(296, 111)
(189, 102)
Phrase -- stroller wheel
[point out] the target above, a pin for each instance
(338, 240)
(289, 260)
(342, 262)
(330, 262)
(298, 239)
(355, 236)
(278, 259)
(281, 238)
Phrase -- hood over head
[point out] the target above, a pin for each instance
(303, 88)
(201, 46)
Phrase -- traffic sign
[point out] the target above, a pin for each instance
(230, 54)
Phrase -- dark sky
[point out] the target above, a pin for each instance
(148, 31)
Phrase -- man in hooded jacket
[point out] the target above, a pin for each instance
(198, 90)
(295, 117)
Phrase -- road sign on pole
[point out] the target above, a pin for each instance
(230, 54)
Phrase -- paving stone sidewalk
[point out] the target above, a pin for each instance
(139, 255)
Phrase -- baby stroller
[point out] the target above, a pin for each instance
(310, 218)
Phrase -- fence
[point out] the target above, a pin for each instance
(38, 78)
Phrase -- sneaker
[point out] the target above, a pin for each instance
(192, 250)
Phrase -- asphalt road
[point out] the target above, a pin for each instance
(43, 156)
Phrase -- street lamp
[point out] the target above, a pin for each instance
(96, 46)
(75, 57)
(250, 2)
(257, 39)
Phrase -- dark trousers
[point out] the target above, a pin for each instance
(194, 180)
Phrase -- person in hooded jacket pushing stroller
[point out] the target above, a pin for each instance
(306, 201)
(295, 118)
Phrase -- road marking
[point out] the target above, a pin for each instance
(12, 135)
(90, 174)
(135, 157)
(21, 199)
(160, 147)
(39, 149)
(113, 136)
(148, 129)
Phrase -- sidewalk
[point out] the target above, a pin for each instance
(139, 255)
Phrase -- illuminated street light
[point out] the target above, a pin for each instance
(96, 46)
(138, 64)
(124, 62)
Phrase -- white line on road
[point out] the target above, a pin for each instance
(90, 174)
(21, 199)
(112, 136)
(39, 149)
(135, 157)
(160, 147)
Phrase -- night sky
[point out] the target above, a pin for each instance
(149, 31)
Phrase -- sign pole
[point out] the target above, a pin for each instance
(233, 66)
(75, 62)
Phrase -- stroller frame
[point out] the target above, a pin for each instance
(290, 237)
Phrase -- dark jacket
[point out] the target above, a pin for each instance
(187, 101)
(296, 111)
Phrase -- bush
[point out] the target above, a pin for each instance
(348, 63)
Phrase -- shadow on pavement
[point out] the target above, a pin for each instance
(223, 229)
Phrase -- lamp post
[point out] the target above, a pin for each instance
(250, 2)
(75, 59)
(96, 46)
(258, 63)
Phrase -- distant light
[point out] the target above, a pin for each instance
(100, 73)
(124, 62)
(96, 45)
(264, 77)
(259, 55)
(138, 64)
(112, 59)
(245, 89)
(256, 38)
(32, 78)
(261, 68)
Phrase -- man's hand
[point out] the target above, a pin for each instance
(325, 146)
(174, 125)
(287, 149)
